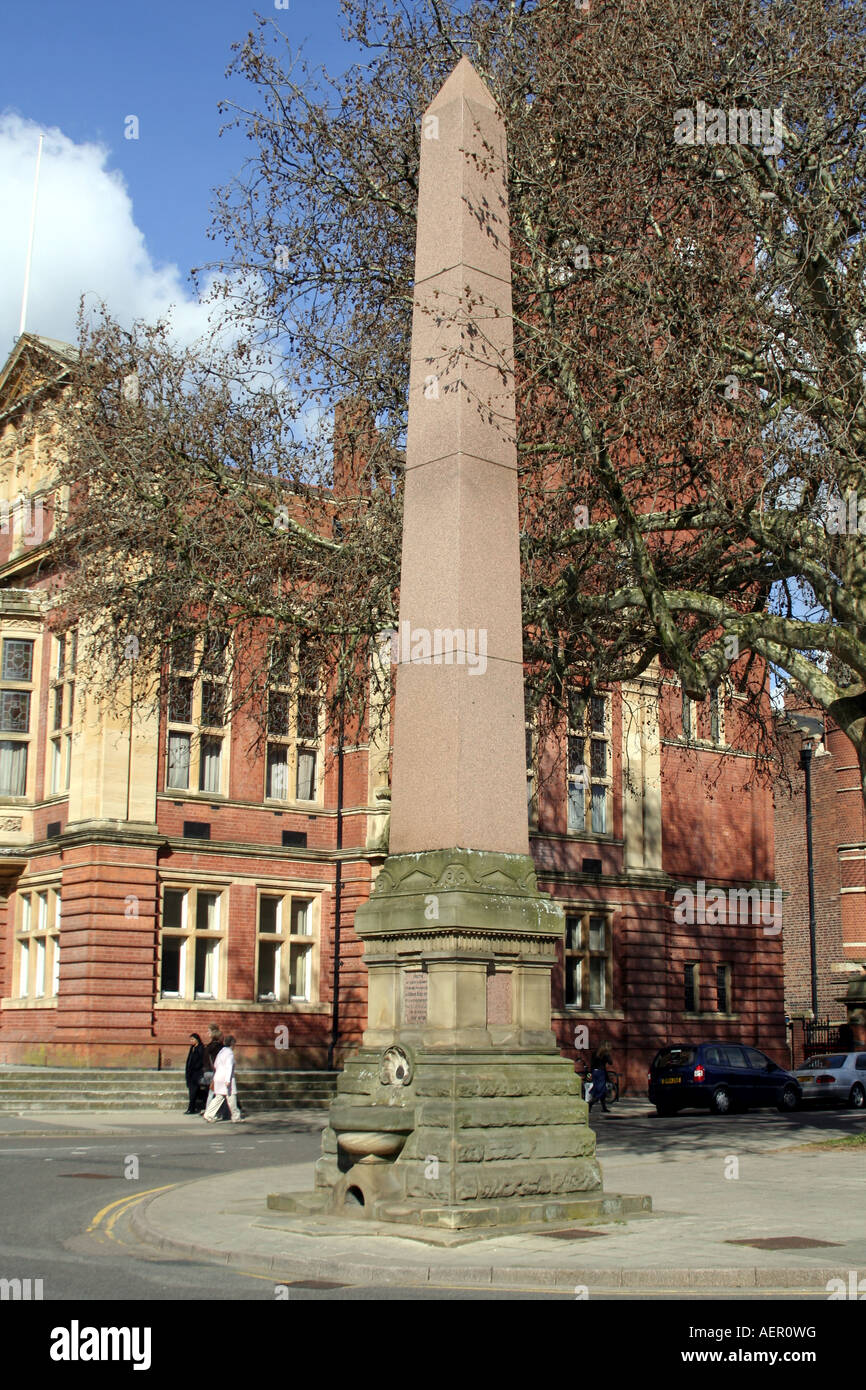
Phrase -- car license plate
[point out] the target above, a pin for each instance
(671, 1080)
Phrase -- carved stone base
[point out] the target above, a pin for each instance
(479, 1140)
(471, 1117)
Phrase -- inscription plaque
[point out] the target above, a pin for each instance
(414, 996)
(499, 998)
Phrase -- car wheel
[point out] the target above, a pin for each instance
(788, 1100)
(857, 1098)
(721, 1101)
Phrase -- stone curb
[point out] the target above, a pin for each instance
(286, 1268)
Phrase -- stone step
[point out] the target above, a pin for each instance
(178, 1083)
(116, 1073)
(152, 1093)
(250, 1103)
(31, 1089)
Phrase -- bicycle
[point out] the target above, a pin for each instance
(611, 1095)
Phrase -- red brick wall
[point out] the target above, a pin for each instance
(793, 876)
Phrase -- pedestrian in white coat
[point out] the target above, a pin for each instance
(224, 1087)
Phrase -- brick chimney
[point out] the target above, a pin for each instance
(354, 442)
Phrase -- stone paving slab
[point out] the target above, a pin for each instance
(48, 1122)
(680, 1247)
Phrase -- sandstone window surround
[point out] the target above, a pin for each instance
(711, 997)
(26, 519)
(531, 780)
(36, 966)
(16, 700)
(692, 987)
(723, 989)
(588, 960)
(61, 712)
(294, 764)
(197, 743)
(287, 962)
(192, 942)
(716, 702)
(589, 771)
(704, 722)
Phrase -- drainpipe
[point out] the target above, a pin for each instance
(338, 898)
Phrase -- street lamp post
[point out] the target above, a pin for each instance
(806, 764)
(812, 730)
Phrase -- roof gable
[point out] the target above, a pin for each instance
(34, 364)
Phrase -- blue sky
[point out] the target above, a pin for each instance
(123, 218)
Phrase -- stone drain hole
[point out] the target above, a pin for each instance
(354, 1197)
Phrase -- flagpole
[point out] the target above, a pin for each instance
(30, 243)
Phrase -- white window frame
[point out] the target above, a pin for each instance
(23, 737)
(195, 731)
(581, 732)
(583, 954)
(189, 934)
(288, 944)
(290, 745)
(36, 963)
(58, 762)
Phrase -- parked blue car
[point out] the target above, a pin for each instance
(722, 1076)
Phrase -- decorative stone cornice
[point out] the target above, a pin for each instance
(470, 870)
(447, 943)
(458, 890)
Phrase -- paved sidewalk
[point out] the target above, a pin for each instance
(62, 1122)
(782, 1190)
(682, 1246)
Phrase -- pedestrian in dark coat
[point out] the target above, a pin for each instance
(215, 1044)
(599, 1064)
(196, 1064)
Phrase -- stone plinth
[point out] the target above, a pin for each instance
(458, 1111)
(473, 1118)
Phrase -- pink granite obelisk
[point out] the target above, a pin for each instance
(459, 773)
(458, 1111)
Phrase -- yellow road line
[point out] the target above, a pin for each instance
(123, 1202)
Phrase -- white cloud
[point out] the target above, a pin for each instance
(86, 241)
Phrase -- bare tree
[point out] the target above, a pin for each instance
(687, 201)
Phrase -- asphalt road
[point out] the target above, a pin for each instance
(64, 1200)
(54, 1189)
(632, 1128)
(65, 1196)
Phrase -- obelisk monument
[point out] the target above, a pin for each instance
(458, 1110)
(459, 770)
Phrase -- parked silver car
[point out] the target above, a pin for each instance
(835, 1076)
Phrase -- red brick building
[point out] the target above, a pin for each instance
(839, 860)
(158, 875)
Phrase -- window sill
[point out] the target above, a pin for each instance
(591, 837)
(240, 1006)
(49, 1002)
(575, 1012)
(706, 744)
(710, 1014)
(273, 803)
(185, 794)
